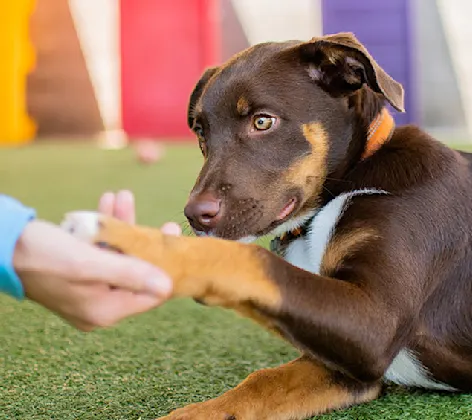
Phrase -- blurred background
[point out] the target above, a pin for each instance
(122, 70)
(92, 89)
(82, 77)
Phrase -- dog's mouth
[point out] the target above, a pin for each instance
(283, 216)
(287, 210)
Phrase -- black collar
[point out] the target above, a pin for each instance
(279, 244)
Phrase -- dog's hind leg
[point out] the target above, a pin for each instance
(295, 391)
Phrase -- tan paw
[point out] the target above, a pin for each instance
(83, 225)
(208, 410)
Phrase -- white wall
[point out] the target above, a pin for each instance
(456, 19)
(279, 20)
(96, 22)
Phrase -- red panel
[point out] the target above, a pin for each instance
(165, 46)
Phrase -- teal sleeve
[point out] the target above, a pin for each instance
(13, 219)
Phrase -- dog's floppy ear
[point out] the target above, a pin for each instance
(197, 92)
(342, 65)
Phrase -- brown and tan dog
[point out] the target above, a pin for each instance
(373, 222)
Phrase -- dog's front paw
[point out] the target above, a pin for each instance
(83, 225)
(116, 235)
(94, 228)
(208, 410)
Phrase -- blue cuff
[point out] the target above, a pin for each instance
(13, 219)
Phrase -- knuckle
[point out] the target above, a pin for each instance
(102, 322)
(134, 276)
(96, 319)
(85, 327)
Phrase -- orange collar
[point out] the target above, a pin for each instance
(380, 132)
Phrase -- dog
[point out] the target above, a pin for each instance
(371, 274)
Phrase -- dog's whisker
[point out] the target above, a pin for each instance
(185, 190)
(186, 228)
(179, 214)
(329, 192)
(339, 180)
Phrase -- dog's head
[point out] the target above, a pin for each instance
(274, 123)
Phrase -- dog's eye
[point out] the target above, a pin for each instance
(203, 146)
(198, 130)
(263, 122)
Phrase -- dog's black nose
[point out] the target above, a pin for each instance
(203, 211)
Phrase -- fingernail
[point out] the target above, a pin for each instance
(161, 285)
(106, 203)
(126, 195)
(124, 207)
(171, 229)
(108, 195)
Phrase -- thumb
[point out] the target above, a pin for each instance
(119, 304)
(171, 228)
(129, 273)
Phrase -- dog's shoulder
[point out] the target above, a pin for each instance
(412, 191)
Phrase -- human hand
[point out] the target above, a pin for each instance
(86, 286)
(122, 207)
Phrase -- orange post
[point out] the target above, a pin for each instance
(16, 60)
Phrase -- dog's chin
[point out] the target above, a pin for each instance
(202, 234)
(276, 228)
(247, 239)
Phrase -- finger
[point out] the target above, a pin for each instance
(141, 277)
(86, 263)
(125, 207)
(79, 323)
(107, 203)
(123, 272)
(171, 228)
(116, 305)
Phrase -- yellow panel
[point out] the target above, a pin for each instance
(16, 61)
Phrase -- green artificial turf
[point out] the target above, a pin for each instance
(150, 364)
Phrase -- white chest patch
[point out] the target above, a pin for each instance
(308, 252)
(407, 370)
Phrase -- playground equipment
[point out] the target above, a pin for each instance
(17, 61)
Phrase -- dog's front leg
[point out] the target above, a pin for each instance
(333, 321)
(213, 271)
(294, 391)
